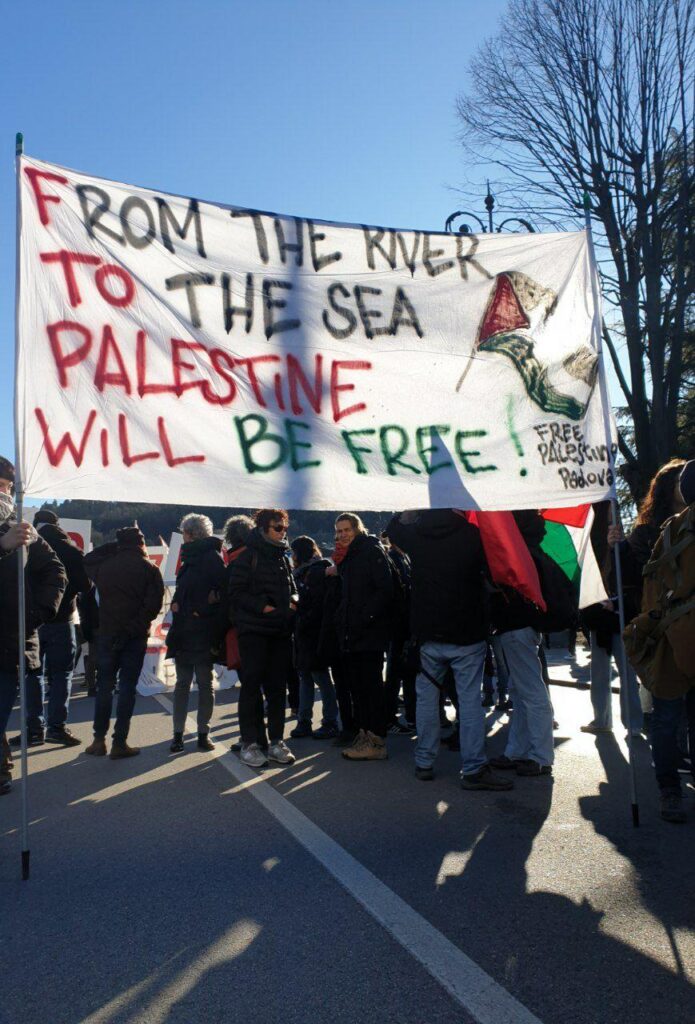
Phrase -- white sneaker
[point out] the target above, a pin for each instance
(252, 755)
(281, 753)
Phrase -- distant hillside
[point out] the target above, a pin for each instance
(163, 520)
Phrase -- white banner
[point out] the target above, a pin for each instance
(172, 350)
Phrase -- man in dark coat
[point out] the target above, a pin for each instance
(58, 643)
(364, 626)
(45, 585)
(130, 590)
(193, 632)
(262, 600)
(449, 621)
(518, 624)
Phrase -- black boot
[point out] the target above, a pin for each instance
(177, 743)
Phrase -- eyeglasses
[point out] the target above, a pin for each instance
(278, 529)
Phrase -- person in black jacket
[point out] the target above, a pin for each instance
(364, 624)
(57, 641)
(449, 622)
(192, 634)
(262, 601)
(400, 670)
(518, 624)
(45, 585)
(310, 578)
(130, 590)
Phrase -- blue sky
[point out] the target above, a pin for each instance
(337, 110)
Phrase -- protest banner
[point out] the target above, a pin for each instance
(172, 348)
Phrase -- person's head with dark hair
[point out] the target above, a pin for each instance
(663, 499)
(686, 483)
(237, 530)
(304, 549)
(44, 515)
(273, 524)
(6, 476)
(347, 526)
(130, 537)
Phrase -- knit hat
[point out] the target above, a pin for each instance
(130, 537)
(686, 482)
(44, 515)
(7, 471)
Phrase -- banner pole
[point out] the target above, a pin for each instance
(22, 553)
(622, 659)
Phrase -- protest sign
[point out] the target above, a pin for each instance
(172, 349)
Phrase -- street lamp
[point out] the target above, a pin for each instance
(465, 228)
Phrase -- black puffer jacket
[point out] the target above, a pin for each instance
(45, 585)
(364, 614)
(261, 576)
(448, 567)
(194, 629)
(311, 586)
(73, 563)
(130, 589)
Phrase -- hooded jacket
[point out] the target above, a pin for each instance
(45, 585)
(448, 569)
(130, 589)
(194, 629)
(73, 563)
(258, 577)
(364, 613)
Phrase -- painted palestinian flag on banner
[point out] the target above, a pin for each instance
(568, 542)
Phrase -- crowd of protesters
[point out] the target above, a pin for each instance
(410, 618)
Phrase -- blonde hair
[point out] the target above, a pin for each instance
(353, 519)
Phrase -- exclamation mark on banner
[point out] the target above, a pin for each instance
(513, 434)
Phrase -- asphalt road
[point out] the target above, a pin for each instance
(167, 889)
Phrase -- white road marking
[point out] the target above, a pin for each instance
(474, 990)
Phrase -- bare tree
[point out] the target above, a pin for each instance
(595, 96)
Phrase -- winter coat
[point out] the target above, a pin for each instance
(448, 567)
(45, 582)
(311, 584)
(364, 613)
(194, 630)
(73, 563)
(258, 577)
(130, 589)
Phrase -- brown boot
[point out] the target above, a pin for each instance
(119, 750)
(373, 749)
(97, 748)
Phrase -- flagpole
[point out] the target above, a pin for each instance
(22, 553)
(622, 660)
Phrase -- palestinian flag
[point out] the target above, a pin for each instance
(568, 541)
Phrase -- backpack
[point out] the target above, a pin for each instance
(660, 642)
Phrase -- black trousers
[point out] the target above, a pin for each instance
(348, 719)
(364, 676)
(399, 673)
(265, 663)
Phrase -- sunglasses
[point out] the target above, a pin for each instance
(278, 529)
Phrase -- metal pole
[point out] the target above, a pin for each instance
(22, 553)
(624, 691)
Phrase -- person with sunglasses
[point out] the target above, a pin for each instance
(262, 600)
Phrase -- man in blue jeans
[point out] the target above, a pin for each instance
(449, 622)
(130, 591)
(58, 644)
